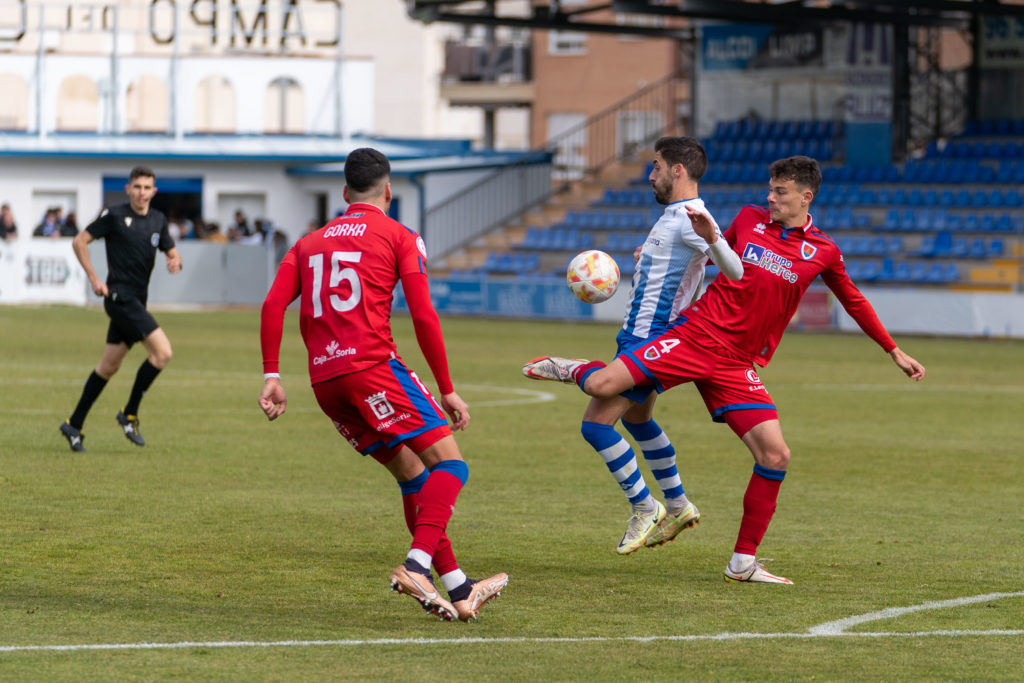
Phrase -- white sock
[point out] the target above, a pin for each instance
(676, 505)
(739, 562)
(420, 558)
(645, 506)
(453, 579)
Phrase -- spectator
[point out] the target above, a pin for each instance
(240, 228)
(49, 227)
(69, 226)
(213, 233)
(8, 228)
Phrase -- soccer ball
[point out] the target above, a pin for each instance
(593, 276)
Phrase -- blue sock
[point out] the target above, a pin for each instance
(659, 454)
(619, 457)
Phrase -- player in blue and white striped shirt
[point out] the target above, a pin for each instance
(669, 275)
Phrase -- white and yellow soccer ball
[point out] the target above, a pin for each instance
(593, 276)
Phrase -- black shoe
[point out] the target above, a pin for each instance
(74, 436)
(130, 425)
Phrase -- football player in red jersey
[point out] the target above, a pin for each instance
(345, 275)
(736, 324)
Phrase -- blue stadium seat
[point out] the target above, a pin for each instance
(978, 249)
(995, 248)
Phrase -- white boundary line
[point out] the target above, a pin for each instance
(840, 625)
(831, 629)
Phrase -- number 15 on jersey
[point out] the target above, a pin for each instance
(339, 273)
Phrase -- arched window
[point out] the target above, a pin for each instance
(78, 104)
(284, 107)
(14, 103)
(215, 106)
(146, 105)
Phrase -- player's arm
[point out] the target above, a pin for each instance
(718, 250)
(431, 341)
(863, 313)
(173, 260)
(273, 399)
(80, 245)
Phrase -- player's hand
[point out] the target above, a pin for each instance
(272, 399)
(910, 367)
(99, 288)
(457, 410)
(702, 224)
(636, 254)
(174, 264)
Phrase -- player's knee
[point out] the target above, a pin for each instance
(777, 458)
(161, 357)
(600, 385)
(107, 369)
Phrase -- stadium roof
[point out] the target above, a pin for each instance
(198, 147)
(593, 15)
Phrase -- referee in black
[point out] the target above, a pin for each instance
(133, 232)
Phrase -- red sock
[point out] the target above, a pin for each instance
(580, 374)
(436, 502)
(444, 556)
(758, 508)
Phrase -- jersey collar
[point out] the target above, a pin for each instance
(363, 206)
(802, 229)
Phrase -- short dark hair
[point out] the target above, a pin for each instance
(140, 171)
(803, 170)
(686, 151)
(365, 168)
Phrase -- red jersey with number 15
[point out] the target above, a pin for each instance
(346, 273)
(749, 315)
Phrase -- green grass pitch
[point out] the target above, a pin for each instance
(245, 550)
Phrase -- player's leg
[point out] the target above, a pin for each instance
(158, 349)
(133, 323)
(110, 362)
(735, 395)
(464, 593)
(771, 458)
(619, 458)
(660, 455)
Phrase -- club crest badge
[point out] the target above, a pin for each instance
(807, 251)
(380, 405)
(127, 221)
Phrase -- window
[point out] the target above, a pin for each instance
(567, 43)
(146, 108)
(78, 105)
(215, 106)
(283, 107)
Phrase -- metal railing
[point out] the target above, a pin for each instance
(611, 135)
(488, 203)
(617, 132)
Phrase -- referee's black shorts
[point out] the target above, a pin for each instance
(130, 322)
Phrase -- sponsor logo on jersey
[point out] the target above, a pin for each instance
(332, 351)
(346, 230)
(775, 264)
(380, 405)
(807, 251)
(760, 228)
(754, 380)
(154, 239)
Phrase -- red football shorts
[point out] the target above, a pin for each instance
(730, 387)
(380, 409)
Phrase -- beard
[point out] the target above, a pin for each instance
(662, 193)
